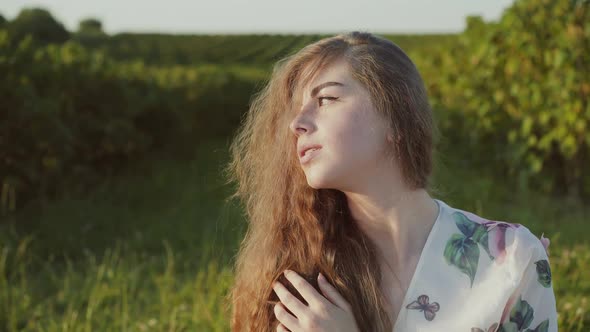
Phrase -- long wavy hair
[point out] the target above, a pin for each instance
(293, 226)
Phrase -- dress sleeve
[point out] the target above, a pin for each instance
(532, 306)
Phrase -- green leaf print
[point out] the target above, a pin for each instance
(463, 253)
(513, 327)
(521, 316)
(508, 327)
(543, 327)
(543, 273)
(465, 225)
(492, 328)
(481, 236)
(461, 249)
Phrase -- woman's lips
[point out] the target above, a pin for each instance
(301, 151)
(309, 154)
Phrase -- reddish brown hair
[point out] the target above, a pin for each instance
(293, 226)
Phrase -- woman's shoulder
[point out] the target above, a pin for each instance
(500, 238)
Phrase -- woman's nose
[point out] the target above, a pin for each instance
(297, 126)
(302, 121)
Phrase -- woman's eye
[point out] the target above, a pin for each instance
(330, 98)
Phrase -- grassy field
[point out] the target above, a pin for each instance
(151, 249)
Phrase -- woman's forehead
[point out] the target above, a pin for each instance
(332, 70)
(331, 75)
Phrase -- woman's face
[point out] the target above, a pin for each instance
(341, 118)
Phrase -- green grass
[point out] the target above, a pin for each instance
(151, 249)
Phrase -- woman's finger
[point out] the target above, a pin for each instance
(285, 318)
(307, 291)
(289, 300)
(332, 294)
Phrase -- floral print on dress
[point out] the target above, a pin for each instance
(545, 241)
(543, 272)
(496, 247)
(521, 317)
(514, 286)
(462, 249)
(492, 328)
(422, 304)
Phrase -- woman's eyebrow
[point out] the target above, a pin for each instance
(317, 89)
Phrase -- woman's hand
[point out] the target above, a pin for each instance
(323, 314)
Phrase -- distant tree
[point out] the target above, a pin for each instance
(90, 26)
(474, 21)
(90, 33)
(2, 21)
(39, 23)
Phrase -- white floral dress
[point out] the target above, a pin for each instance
(476, 274)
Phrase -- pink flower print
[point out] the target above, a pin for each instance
(508, 307)
(545, 241)
(473, 217)
(497, 238)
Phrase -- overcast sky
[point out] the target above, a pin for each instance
(267, 16)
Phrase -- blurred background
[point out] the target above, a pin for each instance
(115, 120)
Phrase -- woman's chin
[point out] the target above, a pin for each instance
(315, 181)
(314, 184)
(319, 180)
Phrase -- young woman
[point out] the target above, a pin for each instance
(333, 163)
